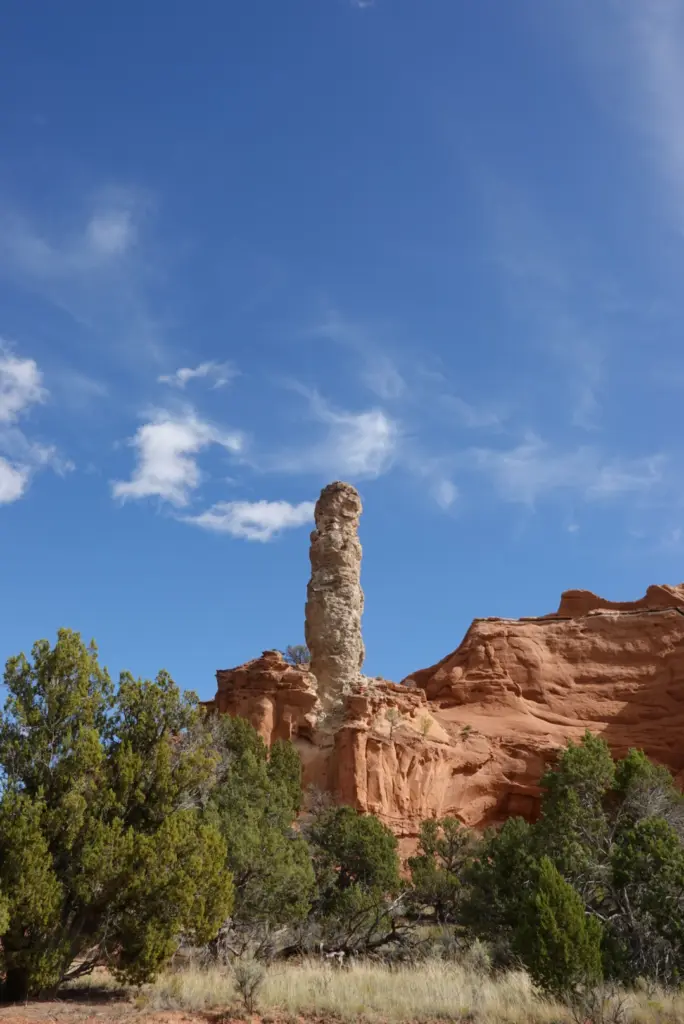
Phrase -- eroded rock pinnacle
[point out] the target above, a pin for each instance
(334, 604)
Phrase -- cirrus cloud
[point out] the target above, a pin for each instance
(222, 374)
(355, 444)
(533, 469)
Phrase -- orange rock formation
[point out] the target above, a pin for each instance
(471, 735)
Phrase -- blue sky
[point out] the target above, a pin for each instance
(435, 249)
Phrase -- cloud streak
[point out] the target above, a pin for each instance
(472, 417)
(561, 299)
(220, 373)
(107, 236)
(355, 444)
(254, 520)
(379, 371)
(656, 34)
(533, 470)
(96, 272)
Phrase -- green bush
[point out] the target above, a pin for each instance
(296, 654)
(499, 879)
(253, 805)
(357, 876)
(558, 943)
(445, 849)
(350, 848)
(612, 833)
(130, 821)
(646, 938)
(104, 855)
(574, 826)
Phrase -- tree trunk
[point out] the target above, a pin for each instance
(16, 988)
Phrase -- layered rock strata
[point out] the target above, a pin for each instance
(471, 735)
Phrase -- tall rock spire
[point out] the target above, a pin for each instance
(334, 598)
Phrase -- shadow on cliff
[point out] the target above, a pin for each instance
(652, 716)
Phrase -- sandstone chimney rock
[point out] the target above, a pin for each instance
(334, 604)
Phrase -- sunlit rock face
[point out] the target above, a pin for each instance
(472, 735)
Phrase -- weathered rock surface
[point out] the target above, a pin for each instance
(581, 602)
(471, 735)
(527, 686)
(281, 702)
(279, 699)
(334, 603)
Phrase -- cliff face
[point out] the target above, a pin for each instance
(471, 735)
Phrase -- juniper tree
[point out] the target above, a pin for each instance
(555, 938)
(445, 848)
(104, 855)
(254, 805)
(500, 879)
(357, 876)
(297, 654)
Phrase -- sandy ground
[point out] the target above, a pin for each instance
(73, 1012)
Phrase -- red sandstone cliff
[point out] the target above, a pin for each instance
(471, 735)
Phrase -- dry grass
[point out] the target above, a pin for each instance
(436, 991)
(432, 991)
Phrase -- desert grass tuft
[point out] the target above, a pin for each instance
(432, 991)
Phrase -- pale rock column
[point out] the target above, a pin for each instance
(334, 598)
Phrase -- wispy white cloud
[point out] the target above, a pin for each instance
(655, 31)
(361, 443)
(95, 270)
(632, 54)
(433, 474)
(379, 370)
(13, 481)
(587, 409)
(474, 417)
(21, 387)
(110, 232)
(33, 455)
(21, 384)
(382, 377)
(445, 492)
(254, 520)
(167, 447)
(623, 476)
(355, 444)
(547, 282)
(372, 442)
(534, 469)
(77, 388)
(220, 373)
(98, 244)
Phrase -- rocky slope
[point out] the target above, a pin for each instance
(471, 735)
